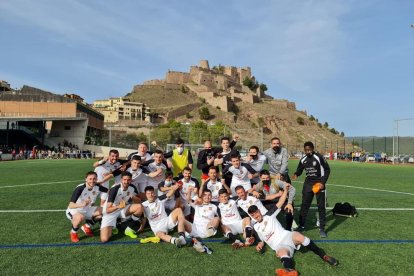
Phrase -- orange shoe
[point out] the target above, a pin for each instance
(74, 237)
(87, 230)
(286, 272)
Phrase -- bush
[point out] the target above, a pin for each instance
(204, 113)
(300, 121)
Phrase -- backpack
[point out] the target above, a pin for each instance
(344, 209)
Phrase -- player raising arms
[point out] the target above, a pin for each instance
(119, 205)
(81, 206)
(160, 223)
(231, 222)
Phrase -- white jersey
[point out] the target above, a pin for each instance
(214, 188)
(101, 172)
(82, 194)
(249, 201)
(139, 179)
(257, 165)
(229, 212)
(112, 167)
(154, 181)
(240, 178)
(203, 214)
(118, 194)
(184, 189)
(271, 231)
(155, 211)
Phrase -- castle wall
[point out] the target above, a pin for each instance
(154, 82)
(177, 77)
(182, 110)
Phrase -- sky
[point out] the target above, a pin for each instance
(348, 63)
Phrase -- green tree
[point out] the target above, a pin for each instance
(311, 118)
(300, 121)
(326, 125)
(263, 87)
(204, 113)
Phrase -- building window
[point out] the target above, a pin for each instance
(67, 127)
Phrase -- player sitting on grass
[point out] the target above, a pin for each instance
(119, 205)
(206, 220)
(231, 222)
(284, 242)
(160, 222)
(81, 206)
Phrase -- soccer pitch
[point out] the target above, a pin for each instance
(34, 231)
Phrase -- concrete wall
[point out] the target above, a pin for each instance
(73, 131)
(182, 110)
(101, 151)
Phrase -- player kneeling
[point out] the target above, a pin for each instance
(231, 222)
(119, 205)
(160, 223)
(81, 206)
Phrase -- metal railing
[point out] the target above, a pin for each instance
(13, 115)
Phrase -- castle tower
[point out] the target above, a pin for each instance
(204, 64)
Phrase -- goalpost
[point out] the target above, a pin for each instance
(397, 146)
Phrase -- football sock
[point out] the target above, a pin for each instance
(87, 225)
(75, 230)
(289, 221)
(172, 240)
(181, 234)
(287, 261)
(249, 231)
(313, 247)
(230, 236)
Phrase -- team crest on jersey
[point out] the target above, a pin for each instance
(217, 187)
(94, 193)
(210, 208)
(85, 194)
(128, 193)
(250, 202)
(314, 163)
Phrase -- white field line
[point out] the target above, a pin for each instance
(44, 183)
(329, 208)
(364, 188)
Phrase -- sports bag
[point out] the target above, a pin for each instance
(344, 209)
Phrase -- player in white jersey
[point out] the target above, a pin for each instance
(241, 174)
(284, 242)
(119, 205)
(244, 201)
(160, 222)
(189, 187)
(142, 152)
(164, 187)
(108, 165)
(81, 206)
(156, 170)
(206, 220)
(139, 178)
(213, 184)
(232, 223)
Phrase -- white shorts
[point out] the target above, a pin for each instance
(163, 225)
(235, 227)
(285, 242)
(110, 219)
(200, 231)
(86, 211)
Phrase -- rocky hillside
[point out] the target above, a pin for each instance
(255, 122)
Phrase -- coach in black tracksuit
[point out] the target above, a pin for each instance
(317, 170)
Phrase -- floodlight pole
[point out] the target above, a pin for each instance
(397, 147)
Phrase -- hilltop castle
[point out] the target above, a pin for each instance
(220, 86)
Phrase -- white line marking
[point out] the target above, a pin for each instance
(364, 188)
(44, 183)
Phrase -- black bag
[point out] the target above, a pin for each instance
(344, 209)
